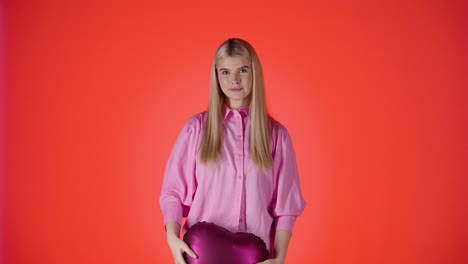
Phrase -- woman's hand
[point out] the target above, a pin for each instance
(177, 246)
(271, 261)
(282, 238)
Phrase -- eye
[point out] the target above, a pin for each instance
(224, 72)
(243, 70)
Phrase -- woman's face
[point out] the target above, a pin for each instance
(235, 79)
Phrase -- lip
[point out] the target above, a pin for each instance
(235, 89)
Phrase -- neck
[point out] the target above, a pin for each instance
(236, 104)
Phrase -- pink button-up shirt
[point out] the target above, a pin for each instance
(232, 193)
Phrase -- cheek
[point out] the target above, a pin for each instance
(223, 83)
(248, 81)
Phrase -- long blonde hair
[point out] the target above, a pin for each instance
(259, 136)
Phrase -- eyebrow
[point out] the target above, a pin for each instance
(243, 67)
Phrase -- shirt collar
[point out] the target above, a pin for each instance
(244, 110)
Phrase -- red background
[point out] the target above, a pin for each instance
(374, 94)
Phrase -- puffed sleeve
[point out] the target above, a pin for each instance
(179, 183)
(288, 202)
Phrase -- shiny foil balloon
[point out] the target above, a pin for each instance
(216, 245)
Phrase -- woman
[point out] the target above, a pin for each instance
(233, 165)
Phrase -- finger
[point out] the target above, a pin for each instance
(180, 260)
(187, 250)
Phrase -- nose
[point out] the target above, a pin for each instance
(235, 78)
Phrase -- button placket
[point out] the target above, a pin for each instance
(242, 226)
(239, 161)
(240, 141)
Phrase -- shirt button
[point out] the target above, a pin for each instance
(240, 155)
(239, 136)
(239, 176)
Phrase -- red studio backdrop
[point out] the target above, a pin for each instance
(373, 93)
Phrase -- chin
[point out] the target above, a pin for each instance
(237, 98)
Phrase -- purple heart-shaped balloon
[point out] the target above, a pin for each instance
(214, 245)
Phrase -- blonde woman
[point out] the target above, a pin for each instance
(233, 165)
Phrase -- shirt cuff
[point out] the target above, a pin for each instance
(285, 222)
(172, 212)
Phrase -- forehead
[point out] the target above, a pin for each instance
(233, 62)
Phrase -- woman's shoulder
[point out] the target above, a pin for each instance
(276, 128)
(195, 122)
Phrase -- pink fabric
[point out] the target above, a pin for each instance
(232, 193)
(214, 245)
